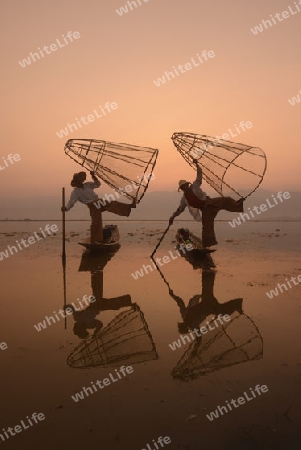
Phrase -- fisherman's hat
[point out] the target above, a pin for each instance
(74, 181)
(182, 182)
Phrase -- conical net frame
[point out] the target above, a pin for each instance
(118, 165)
(125, 340)
(220, 348)
(224, 163)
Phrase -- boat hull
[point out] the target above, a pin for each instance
(111, 241)
(198, 256)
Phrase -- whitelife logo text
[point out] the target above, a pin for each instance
(48, 49)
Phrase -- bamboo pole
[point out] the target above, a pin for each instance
(161, 239)
(64, 227)
(64, 251)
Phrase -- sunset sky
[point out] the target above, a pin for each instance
(116, 58)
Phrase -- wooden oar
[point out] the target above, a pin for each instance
(162, 237)
(64, 228)
(64, 251)
(65, 292)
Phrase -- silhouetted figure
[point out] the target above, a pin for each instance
(197, 201)
(86, 319)
(196, 312)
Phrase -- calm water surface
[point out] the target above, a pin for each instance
(133, 322)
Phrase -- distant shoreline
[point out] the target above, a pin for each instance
(144, 220)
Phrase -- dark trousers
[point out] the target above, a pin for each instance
(209, 212)
(96, 229)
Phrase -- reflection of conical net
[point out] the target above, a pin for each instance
(125, 340)
(119, 165)
(233, 343)
(224, 163)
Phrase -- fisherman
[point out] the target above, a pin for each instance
(84, 193)
(197, 200)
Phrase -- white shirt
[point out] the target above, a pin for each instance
(84, 195)
(196, 189)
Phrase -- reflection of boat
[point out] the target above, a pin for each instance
(232, 343)
(96, 261)
(111, 238)
(126, 339)
(198, 256)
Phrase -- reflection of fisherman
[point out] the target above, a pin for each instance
(84, 193)
(86, 318)
(196, 312)
(224, 346)
(197, 200)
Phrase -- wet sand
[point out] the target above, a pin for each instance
(169, 392)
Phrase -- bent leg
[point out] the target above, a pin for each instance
(213, 206)
(208, 234)
(226, 203)
(121, 209)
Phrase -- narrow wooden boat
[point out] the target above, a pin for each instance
(110, 242)
(186, 237)
(198, 256)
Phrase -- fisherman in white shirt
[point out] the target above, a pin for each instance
(84, 193)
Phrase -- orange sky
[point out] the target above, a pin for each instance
(117, 58)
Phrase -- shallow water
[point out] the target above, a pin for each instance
(132, 322)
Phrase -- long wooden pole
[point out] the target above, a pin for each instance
(64, 251)
(161, 239)
(64, 227)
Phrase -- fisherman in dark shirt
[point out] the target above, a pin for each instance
(196, 200)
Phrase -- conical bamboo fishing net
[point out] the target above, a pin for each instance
(233, 343)
(126, 168)
(226, 165)
(125, 340)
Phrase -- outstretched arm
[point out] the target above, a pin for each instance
(178, 211)
(199, 173)
(72, 201)
(179, 301)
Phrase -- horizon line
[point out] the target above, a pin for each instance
(298, 219)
